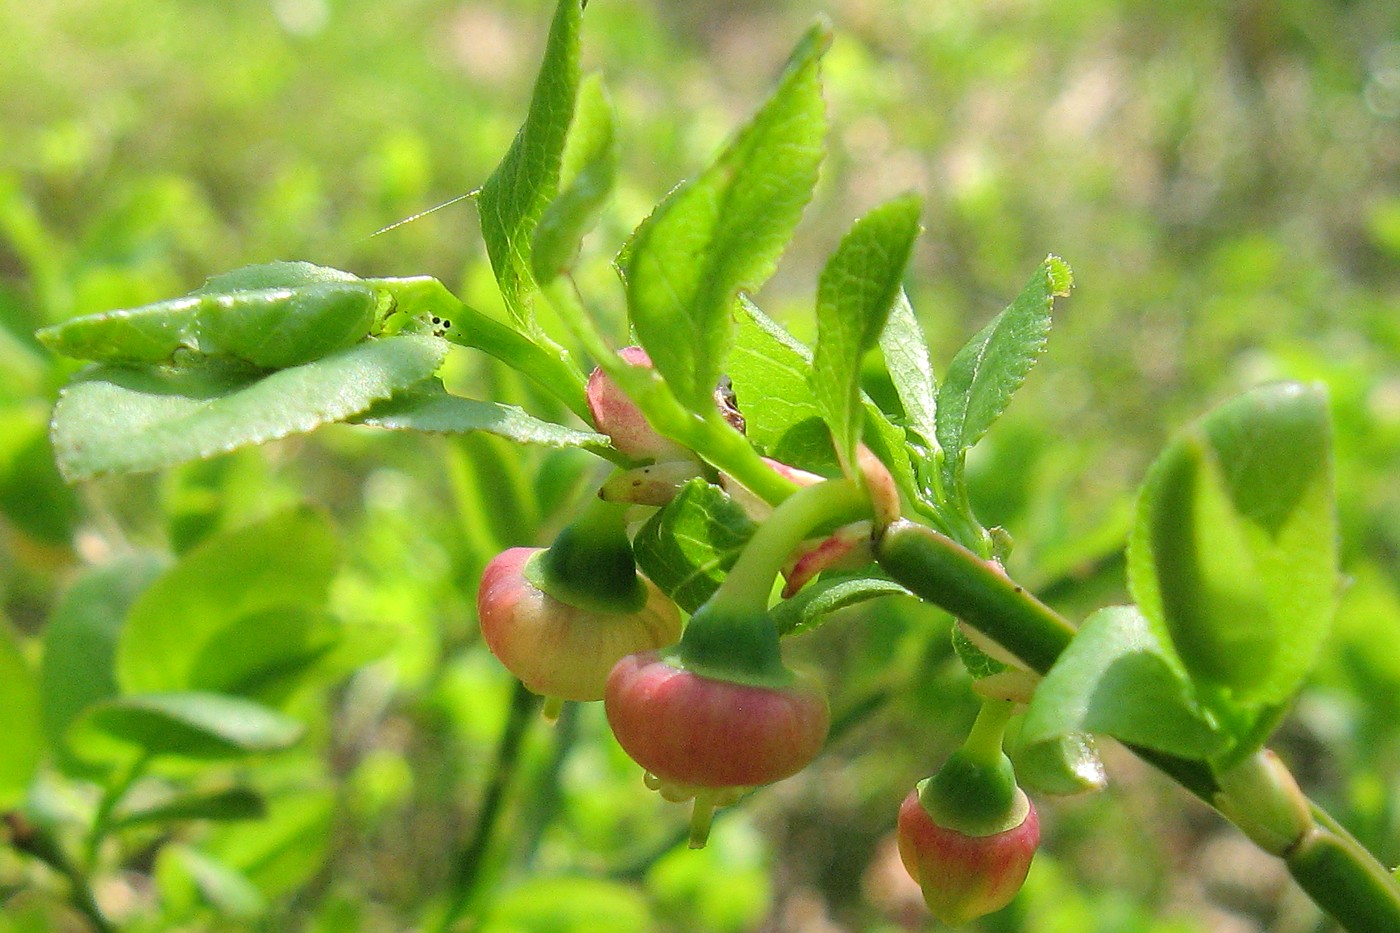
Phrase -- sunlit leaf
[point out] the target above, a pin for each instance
(857, 289)
(906, 359)
(589, 168)
(1116, 679)
(988, 370)
(118, 419)
(1234, 554)
(687, 547)
(517, 193)
(724, 231)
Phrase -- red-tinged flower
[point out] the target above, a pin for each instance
(964, 877)
(559, 650)
(708, 732)
(617, 416)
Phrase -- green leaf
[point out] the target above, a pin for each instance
(688, 546)
(272, 275)
(225, 805)
(857, 289)
(23, 744)
(266, 654)
(1067, 765)
(906, 359)
(518, 191)
(201, 726)
(280, 568)
(590, 165)
(267, 328)
(979, 663)
(992, 366)
(724, 231)
(430, 407)
(813, 603)
(1234, 554)
(80, 644)
(1116, 679)
(117, 419)
(771, 374)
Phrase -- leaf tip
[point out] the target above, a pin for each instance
(1059, 277)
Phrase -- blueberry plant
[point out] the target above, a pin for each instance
(752, 490)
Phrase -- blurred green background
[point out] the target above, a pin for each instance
(1223, 175)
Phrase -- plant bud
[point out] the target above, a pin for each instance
(964, 877)
(617, 416)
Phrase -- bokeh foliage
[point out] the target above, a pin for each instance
(1224, 177)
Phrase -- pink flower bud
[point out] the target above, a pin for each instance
(964, 877)
(558, 650)
(617, 416)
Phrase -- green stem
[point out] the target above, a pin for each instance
(706, 433)
(938, 569)
(1346, 881)
(548, 367)
(750, 581)
(111, 796)
(466, 870)
(984, 741)
(38, 843)
(1340, 874)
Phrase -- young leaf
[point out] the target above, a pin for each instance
(284, 564)
(1116, 679)
(772, 376)
(515, 196)
(118, 419)
(770, 371)
(992, 365)
(23, 744)
(590, 165)
(80, 644)
(724, 231)
(1234, 554)
(687, 547)
(203, 726)
(906, 359)
(854, 297)
(430, 407)
(815, 602)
